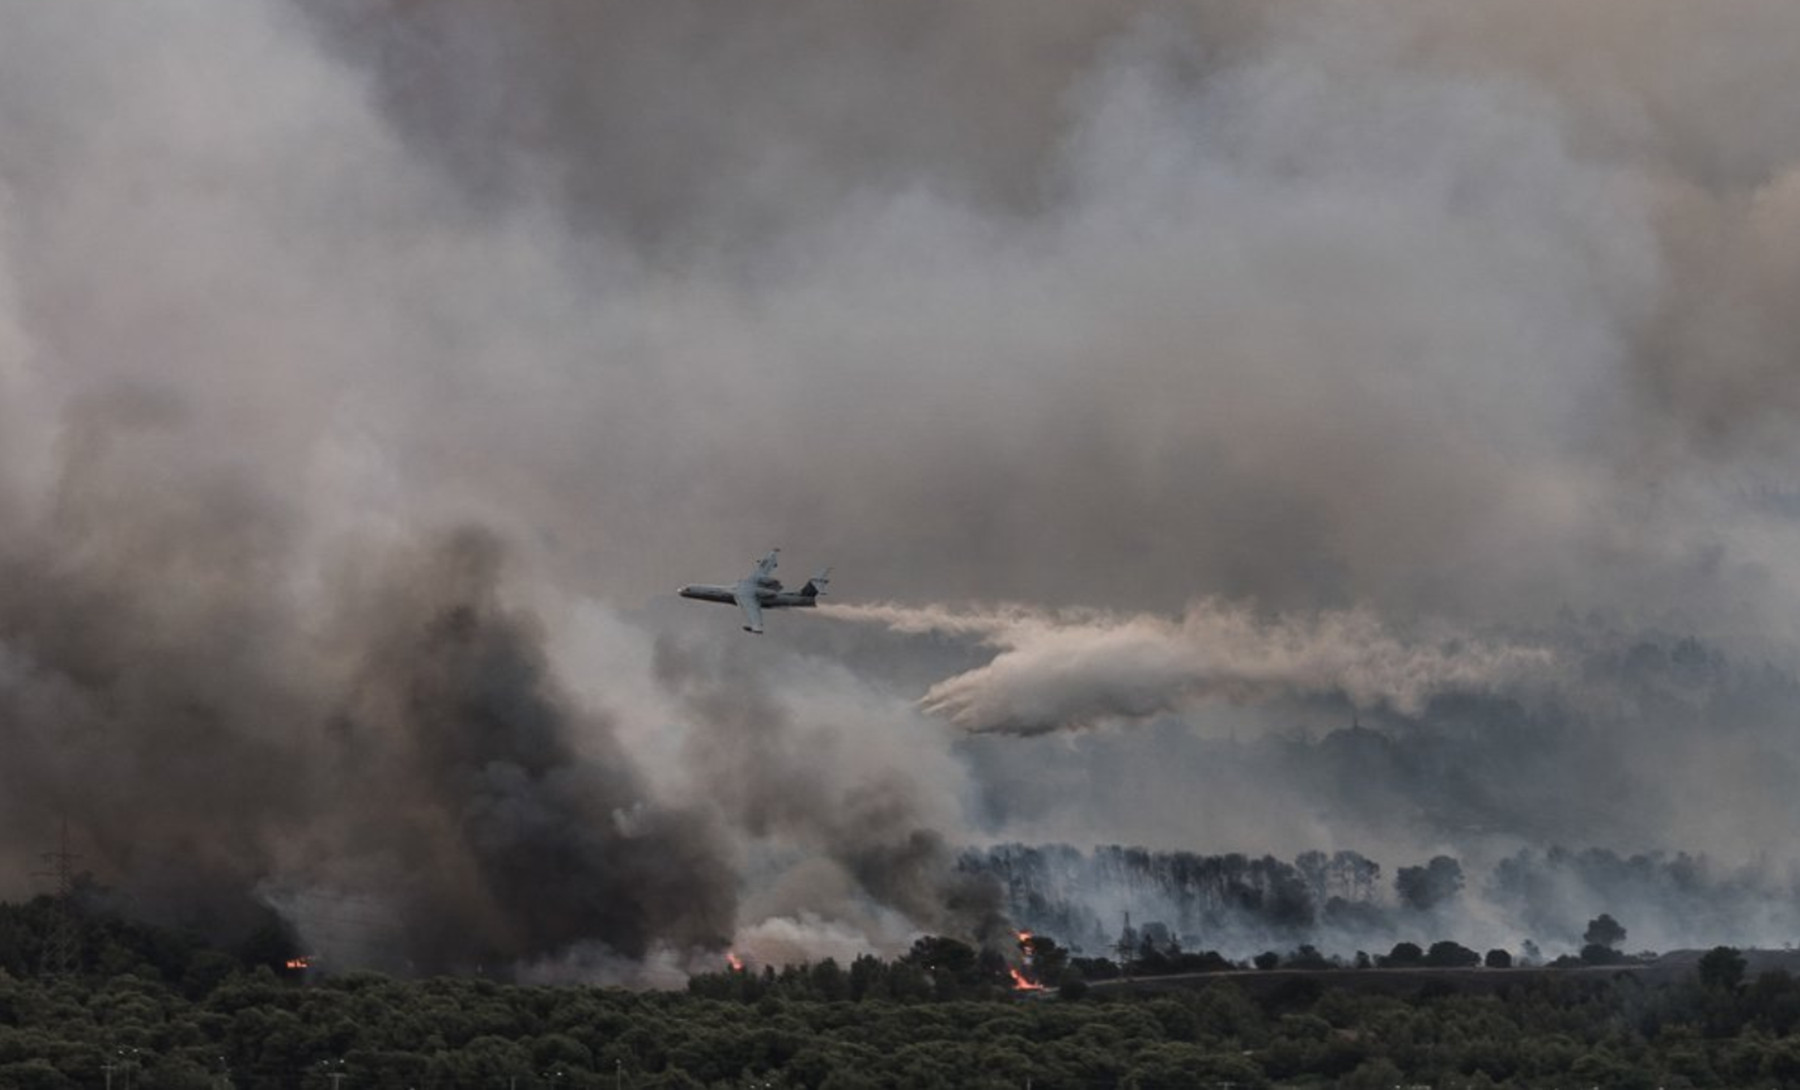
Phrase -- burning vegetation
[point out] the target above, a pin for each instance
(1022, 973)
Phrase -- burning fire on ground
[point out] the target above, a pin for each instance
(1021, 978)
(736, 963)
(299, 963)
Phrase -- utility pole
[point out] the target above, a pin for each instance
(128, 1063)
(62, 942)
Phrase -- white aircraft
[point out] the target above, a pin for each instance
(761, 591)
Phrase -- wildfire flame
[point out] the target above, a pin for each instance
(1021, 982)
(299, 963)
(736, 963)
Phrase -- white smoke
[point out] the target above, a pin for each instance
(805, 936)
(1082, 668)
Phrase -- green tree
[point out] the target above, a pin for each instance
(829, 982)
(1721, 968)
(1605, 931)
(954, 967)
(1375, 1073)
(868, 978)
(1424, 888)
(1404, 955)
(1596, 954)
(34, 1075)
(1450, 955)
(1172, 1064)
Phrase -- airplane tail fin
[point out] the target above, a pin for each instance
(816, 585)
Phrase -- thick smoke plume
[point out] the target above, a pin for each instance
(1450, 346)
(531, 830)
(409, 786)
(1076, 670)
(813, 788)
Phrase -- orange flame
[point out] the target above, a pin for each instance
(736, 963)
(299, 963)
(1021, 982)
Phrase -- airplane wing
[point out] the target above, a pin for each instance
(766, 565)
(746, 600)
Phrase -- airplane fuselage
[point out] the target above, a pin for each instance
(765, 597)
(759, 592)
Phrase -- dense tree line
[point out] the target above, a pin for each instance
(160, 1009)
(1344, 900)
(1057, 889)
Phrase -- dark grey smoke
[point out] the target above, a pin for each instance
(414, 769)
(455, 724)
(152, 681)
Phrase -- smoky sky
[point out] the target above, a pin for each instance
(1109, 302)
(370, 373)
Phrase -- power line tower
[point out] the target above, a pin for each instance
(63, 941)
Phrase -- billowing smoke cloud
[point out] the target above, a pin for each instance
(1094, 304)
(525, 848)
(1394, 329)
(853, 803)
(1078, 670)
(406, 786)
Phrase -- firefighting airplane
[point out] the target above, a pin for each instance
(761, 591)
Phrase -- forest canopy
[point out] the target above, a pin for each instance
(160, 1008)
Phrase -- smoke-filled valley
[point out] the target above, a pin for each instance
(1252, 438)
